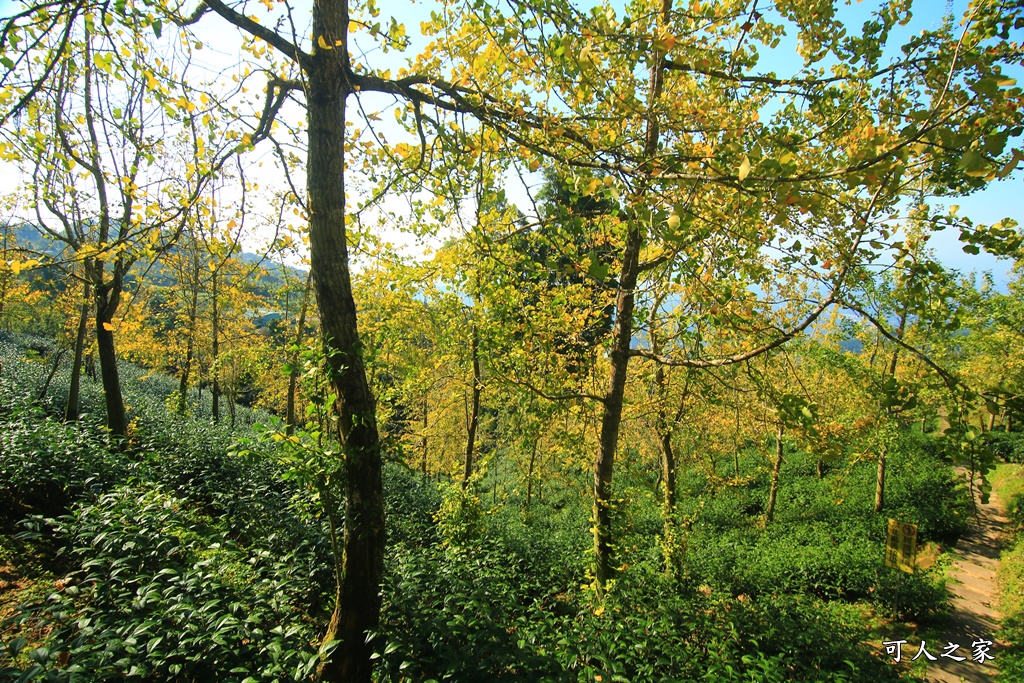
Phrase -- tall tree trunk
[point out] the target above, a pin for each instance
(611, 417)
(232, 392)
(880, 482)
(107, 297)
(474, 415)
(357, 600)
(58, 356)
(423, 440)
(893, 364)
(75, 385)
(668, 458)
(90, 365)
(662, 425)
(529, 471)
(736, 440)
(7, 276)
(776, 470)
(622, 334)
(669, 473)
(215, 362)
(193, 315)
(293, 374)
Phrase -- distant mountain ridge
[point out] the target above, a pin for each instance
(34, 239)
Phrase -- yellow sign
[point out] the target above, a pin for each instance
(901, 546)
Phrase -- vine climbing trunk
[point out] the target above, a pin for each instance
(357, 599)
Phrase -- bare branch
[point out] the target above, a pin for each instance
(265, 34)
(739, 357)
(949, 378)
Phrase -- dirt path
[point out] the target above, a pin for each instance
(975, 593)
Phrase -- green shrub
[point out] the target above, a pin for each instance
(164, 593)
(826, 540)
(483, 618)
(410, 503)
(459, 518)
(1006, 445)
(924, 491)
(906, 597)
(46, 465)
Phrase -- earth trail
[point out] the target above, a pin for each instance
(975, 597)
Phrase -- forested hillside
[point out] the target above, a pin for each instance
(528, 341)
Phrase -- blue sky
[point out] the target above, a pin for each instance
(999, 200)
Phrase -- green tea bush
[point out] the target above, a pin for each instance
(452, 616)
(163, 592)
(825, 540)
(480, 617)
(45, 465)
(1006, 445)
(906, 597)
(922, 490)
(411, 503)
(459, 517)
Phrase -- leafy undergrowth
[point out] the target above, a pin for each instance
(171, 559)
(1008, 484)
(24, 579)
(826, 539)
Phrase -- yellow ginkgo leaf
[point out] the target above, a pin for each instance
(108, 327)
(323, 43)
(744, 168)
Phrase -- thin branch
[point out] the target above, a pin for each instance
(265, 34)
(739, 357)
(949, 378)
(550, 397)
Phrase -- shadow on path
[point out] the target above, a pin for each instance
(974, 594)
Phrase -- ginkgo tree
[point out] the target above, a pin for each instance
(106, 180)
